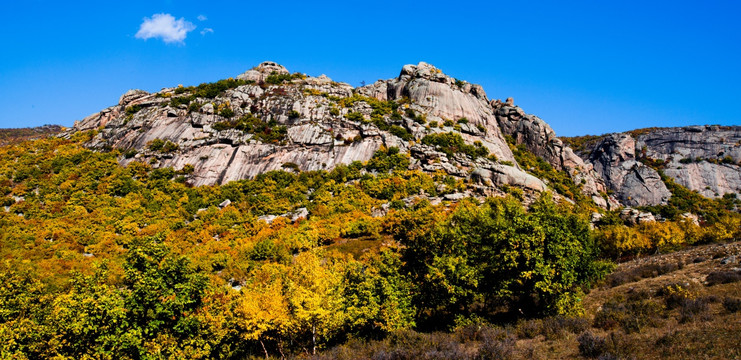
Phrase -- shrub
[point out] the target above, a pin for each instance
(675, 295)
(162, 174)
(156, 144)
(130, 153)
(131, 110)
(187, 169)
(293, 114)
(591, 345)
(276, 78)
(388, 159)
(492, 348)
(227, 112)
(291, 165)
(691, 309)
(723, 277)
(401, 132)
(354, 116)
(269, 132)
(732, 304)
(631, 316)
(642, 272)
(194, 106)
(169, 147)
(451, 143)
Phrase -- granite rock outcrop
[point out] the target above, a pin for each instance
(268, 118)
(322, 123)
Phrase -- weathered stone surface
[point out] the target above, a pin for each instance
(633, 216)
(131, 95)
(633, 183)
(702, 158)
(509, 175)
(436, 95)
(262, 71)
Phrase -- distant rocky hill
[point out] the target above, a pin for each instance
(12, 136)
(270, 119)
(705, 159)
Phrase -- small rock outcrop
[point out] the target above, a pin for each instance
(633, 183)
(706, 159)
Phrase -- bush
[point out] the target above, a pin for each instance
(631, 316)
(401, 132)
(130, 153)
(169, 147)
(642, 272)
(552, 328)
(156, 144)
(732, 304)
(492, 348)
(691, 309)
(354, 116)
(276, 79)
(611, 347)
(269, 132)
(131, 110)
(451, 143)
(388, 159)
(675, 295)
(723, 277)
(591, 345)
(227, 112)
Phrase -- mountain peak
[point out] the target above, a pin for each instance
(262, 71)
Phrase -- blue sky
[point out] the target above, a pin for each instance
(585, 67)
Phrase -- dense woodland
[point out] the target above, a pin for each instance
(103, 261)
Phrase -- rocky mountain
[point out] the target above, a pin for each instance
(270, 119)
(705, 159)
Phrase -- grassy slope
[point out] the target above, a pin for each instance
(711, 334)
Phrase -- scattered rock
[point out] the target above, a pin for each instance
(633, 216)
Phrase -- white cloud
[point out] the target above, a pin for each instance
(202, 18)
(165, 27)
(206, 31)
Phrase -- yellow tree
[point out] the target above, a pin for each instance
(262, 309)
(315, 297)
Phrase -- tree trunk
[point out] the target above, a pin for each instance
(313, 339)
(265, 350)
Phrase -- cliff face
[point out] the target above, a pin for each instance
(702, 158)
(540, 139)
